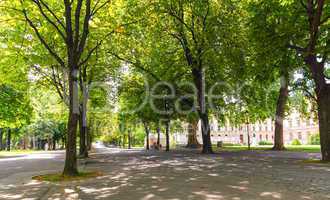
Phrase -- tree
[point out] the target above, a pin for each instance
(15, 110)
(73, 33)
(308, 37)
(316, 55)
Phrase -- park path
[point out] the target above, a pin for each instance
(181, 174)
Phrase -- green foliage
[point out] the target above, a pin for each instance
(15, 108)
(265, 143)
(296, 142)
(46, 129)
(314, 139)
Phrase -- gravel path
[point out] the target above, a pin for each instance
(182, 174)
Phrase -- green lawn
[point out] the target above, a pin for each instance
(4, 153)
(293, 148)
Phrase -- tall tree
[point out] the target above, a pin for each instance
(70, 21)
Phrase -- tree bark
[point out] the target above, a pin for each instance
(280, 112)
(323, 98)
(324, 123)
(8, 139)
(89, 139)
(192, 135)
(129, 139)
(315, 13)
(70, 166)
(146, 128)
(198, 75)
(248, 135)
(167, 133)
(1, 134)
(54, 144)
(83, 153)
(158, 137)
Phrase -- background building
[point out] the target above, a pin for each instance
(295, 128)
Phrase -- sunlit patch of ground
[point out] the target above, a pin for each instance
(61, 177)
(188, 175)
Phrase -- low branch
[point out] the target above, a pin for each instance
(137, 65)
(96, 9)
(52, 13)
(37, 2)
(43, 41)
(298, 49)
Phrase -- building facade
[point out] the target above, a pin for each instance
(295, 128)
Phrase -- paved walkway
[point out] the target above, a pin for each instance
(182, 174)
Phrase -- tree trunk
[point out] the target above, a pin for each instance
(54, 144)
(123, 138)
(83, 153)
(1, 139)
(70, 166)
(248, 136)
(167, 133)
(129, 139)
(33, 142)
(146, 128)
(63, 143)
(192, 135)
(198, 75)
(280, 112)
(322, 91)
(8, 139)
(324, 123)
(158, 137)
(89, 139)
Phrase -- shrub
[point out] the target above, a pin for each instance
(230, 144)
(295, 142)
(265, 143)
(314, 139)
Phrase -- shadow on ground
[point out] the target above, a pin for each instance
(181, 175)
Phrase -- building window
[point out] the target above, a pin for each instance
(260, 137)
(299, 136)
(298, 122)
(267, 137)
(290, 136)
(290, 123)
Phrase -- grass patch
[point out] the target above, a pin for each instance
(244, 148)
(293, 148)
(304, 148)
(62, 178)
(5, 153)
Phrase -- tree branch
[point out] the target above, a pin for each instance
(48, 19)
(96, 9)
(85, 33)
(52, 13)
(43, 41)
